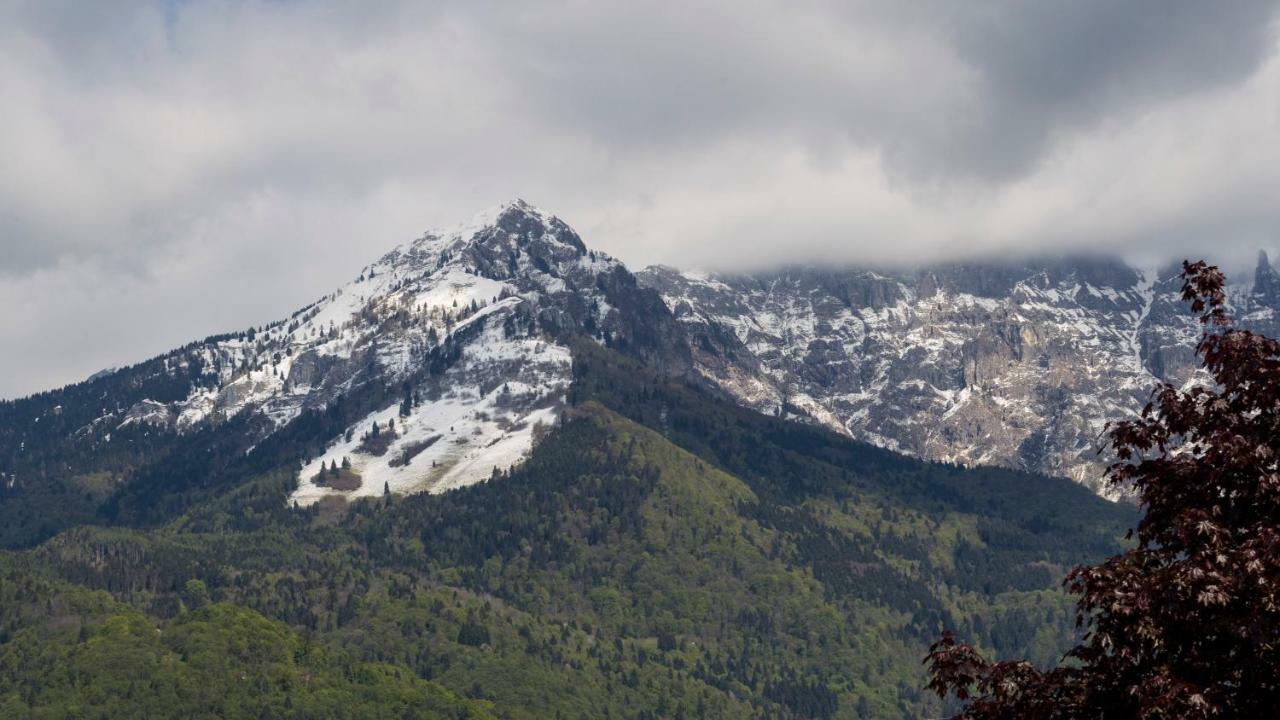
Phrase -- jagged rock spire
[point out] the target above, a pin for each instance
(1266, 282)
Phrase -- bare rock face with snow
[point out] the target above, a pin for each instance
(1020, 365)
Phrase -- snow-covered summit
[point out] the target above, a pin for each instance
(464, 330)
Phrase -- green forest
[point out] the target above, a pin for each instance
(662, 554)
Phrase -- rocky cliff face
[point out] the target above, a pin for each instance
(1019, 364)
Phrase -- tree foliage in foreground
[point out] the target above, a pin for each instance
(1186, 624)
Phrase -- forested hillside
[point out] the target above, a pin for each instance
(662, 553)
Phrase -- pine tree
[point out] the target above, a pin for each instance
(406, 406)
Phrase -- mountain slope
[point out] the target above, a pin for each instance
(1017, 364)
(662, 553)
(80, 654)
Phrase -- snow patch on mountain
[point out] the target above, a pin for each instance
(473, 423)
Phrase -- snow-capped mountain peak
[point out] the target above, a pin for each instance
(464, 330)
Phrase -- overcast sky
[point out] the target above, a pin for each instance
(173, 169)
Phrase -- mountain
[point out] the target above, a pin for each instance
(1013, 364)
(456, 347)
(486, 309)
(453, 346)
(661, 553)
(495, 476)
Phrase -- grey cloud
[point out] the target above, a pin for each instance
(1044, 67)
(1091, 51)
(975, 90)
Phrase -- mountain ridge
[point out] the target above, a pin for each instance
(1019, 363)
(459, 339)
